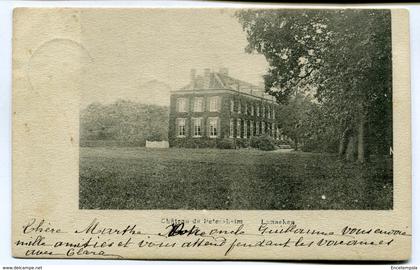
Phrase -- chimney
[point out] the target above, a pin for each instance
(224, 71)
(206, 78)
(192, 77)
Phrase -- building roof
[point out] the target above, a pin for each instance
(222, 81)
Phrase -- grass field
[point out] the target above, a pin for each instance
(141, 178)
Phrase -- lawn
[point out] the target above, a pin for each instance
(141, 178)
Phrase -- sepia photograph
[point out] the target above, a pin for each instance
(250, 132)
(251, 109)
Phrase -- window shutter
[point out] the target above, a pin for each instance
(187, 104)
(208, 125)
(207, 105)
(204, 103)
(219, 131)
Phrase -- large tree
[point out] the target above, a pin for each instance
(125, 122)
(342, 58)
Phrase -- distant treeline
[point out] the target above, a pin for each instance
(123, 123)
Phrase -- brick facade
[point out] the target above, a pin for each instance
(251, 115)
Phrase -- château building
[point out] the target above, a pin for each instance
(216, 106)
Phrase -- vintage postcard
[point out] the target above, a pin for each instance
(211, 133)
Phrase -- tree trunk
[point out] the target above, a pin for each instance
(351, 148)
(296, 144)
(361, 140)
(341, 146)
(343, 143)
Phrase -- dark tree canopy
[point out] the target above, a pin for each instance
(341, 59)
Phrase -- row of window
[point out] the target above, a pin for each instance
(197, 127)
(214, 106)
(244, 128)
(198, 104)
(263, 111)
(248, 128)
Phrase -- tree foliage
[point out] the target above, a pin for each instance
(339, 58)
(294, 118)
(124, 122)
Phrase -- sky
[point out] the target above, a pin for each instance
(140, 54)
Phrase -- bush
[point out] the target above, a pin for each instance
(263, 142)
(280, 143)
(254, 142)
(225, 144)
(193, 143)
(242, 143)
